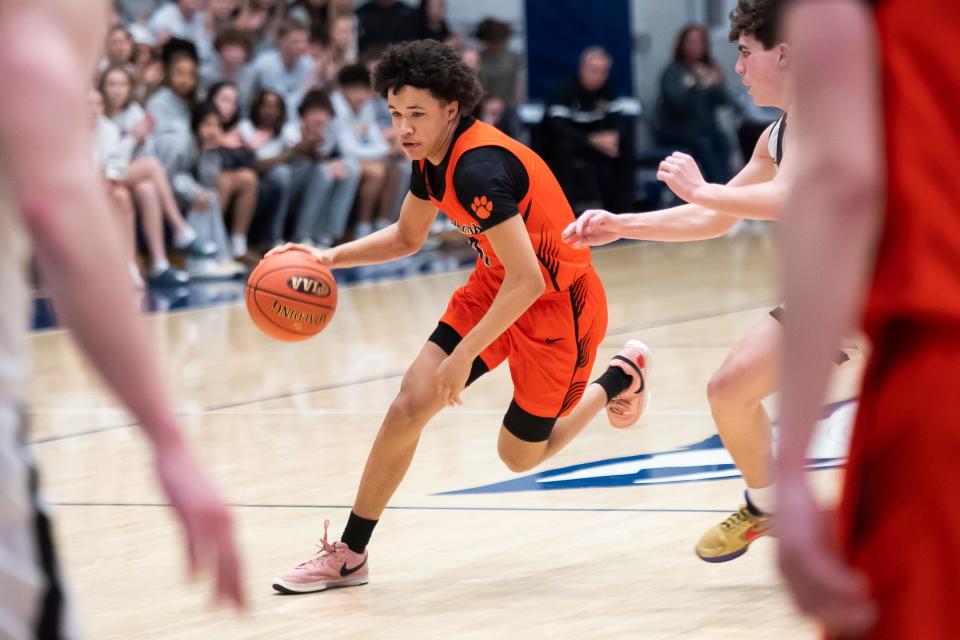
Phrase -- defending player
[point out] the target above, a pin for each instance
(49, 193)
(531, 300)
(750, 371)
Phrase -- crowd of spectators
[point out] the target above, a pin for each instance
(227, 127)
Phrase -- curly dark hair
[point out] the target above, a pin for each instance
(430, 65)
(757, 19)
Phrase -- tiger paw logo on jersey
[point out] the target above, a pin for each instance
(482, 207)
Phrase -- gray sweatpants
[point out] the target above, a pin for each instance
(325, 201)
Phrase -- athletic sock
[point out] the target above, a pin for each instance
(614, 381)
(762, 501)
(356, 534)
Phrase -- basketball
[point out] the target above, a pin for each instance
(291, 296)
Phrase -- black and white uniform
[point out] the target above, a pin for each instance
(33, 603)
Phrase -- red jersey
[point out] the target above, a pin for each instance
(918, 266)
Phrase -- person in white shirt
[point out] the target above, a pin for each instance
(288, 69)
(182, 19)
(146, 176)
(113, 153)
(231, 63)
(360, 137)
(304, 163)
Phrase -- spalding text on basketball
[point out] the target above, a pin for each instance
(309, 286)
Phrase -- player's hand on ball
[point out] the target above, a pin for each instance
(680, 172)
(451, 377)
(593, 227)
(207, 524)
(323, 255)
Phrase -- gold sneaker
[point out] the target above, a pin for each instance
(731, 538)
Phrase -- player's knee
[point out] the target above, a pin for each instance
(731, 386)
(516, 461)
(409, 411)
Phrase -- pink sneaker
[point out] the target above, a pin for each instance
(333, 566)
(625, 409)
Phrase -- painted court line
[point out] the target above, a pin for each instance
(409, 507)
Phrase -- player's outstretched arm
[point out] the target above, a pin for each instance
(45, 148)
(832, 220)
(756, 193)
(402, 238)
(685, 223)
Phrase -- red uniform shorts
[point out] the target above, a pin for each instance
(900, 514)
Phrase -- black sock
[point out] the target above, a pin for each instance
(614, 381)
(357, 533)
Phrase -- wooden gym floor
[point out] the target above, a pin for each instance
(285, 430)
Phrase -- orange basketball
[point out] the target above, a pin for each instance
(291, 295)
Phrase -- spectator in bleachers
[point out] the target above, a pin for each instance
(287, 70)
(113, 154)
(171, 105)
(220, 16)
(182, 19)
(260, 20)
(268, 135)
(197, 180)
(384, 22)
(147, 71)
(315, 13)
(238, 182)
(590, 147)
(119, 49)
(499, 67)
(432, 21)
(343, 42)
(233, 50)
(359, 137)
(691, 91)
(314, 172)
(145, 175)
(225, 98)
(319, 50)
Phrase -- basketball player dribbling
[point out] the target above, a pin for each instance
(878, 88)
(50, 195)
(749, 373)
(531, 299)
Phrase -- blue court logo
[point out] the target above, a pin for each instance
(704, 461)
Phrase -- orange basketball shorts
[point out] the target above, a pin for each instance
(551, 348)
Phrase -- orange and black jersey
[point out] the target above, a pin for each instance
(486, 178)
